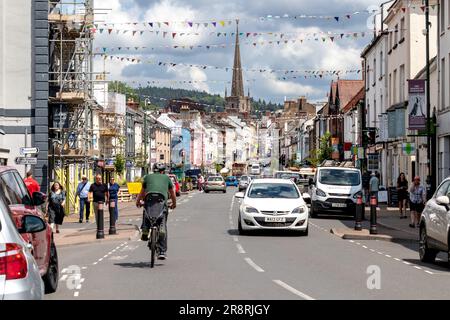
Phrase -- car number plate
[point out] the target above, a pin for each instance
(339, 205)
(275, 219)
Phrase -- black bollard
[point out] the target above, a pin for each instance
(100, 221)
(112, 217)
(359, 213)
(373, 215)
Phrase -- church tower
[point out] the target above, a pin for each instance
(237, 101)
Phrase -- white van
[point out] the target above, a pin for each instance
(334, 190)
(255, 168)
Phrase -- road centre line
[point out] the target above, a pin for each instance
(240, 248)
(254, 265)
(293, 290)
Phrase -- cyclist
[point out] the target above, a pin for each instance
(157, 182)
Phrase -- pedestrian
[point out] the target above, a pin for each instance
(55, 206)
(99, 195)
(32, 185)
(114, 196)
(402, 190)
(374, 186)
(83, 193)
(366, 185)
(201, 181)
(417, 198)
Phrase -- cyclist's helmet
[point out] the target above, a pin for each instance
(159, 167)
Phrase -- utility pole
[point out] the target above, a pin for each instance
(431, 179)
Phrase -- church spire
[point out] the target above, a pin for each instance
(237, 86)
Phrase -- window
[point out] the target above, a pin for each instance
(442, 17)
(374, 70)
(390, 41)
(443, 102)
(394, 88)
(381, 64)
(368, 77)
(444, 190)
(374, 112)
(14, 191)
(396, 35)
(161, 157)
(402, 28)
(390, 89)
(402, 83)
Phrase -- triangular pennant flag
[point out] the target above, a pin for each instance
(404, 10)
(332, 39)
(142, 32)
(104, 49)
(173, 35)
(337, 19)
(214, 23)
(423, 8)
(134, 32)
(120, 48)
(109, 31)
(190, 24)
(348, 16)
(205, 24)
(218, 33)
(101, 30)
(166, 23)
(222, 23)
(164, 34)
(248, 33)
(254, 44)
(150, 24)
(136, 48)
(159, 24)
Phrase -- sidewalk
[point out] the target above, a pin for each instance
(389, 226)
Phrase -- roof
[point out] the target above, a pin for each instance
(372, 44)
(333, 91)
(354, 101)
(347, 89)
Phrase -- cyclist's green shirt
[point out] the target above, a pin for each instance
(157, 182)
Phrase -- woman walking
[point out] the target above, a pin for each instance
(402, 189)
(114, 196)
(55, 207)
(418, 199)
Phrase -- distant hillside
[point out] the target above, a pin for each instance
(156, 93)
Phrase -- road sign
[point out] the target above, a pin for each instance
(29, 150)
(25, 161)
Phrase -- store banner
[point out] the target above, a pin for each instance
(417, 105)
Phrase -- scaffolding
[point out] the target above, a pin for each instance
(71, 83)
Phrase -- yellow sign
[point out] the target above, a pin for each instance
(134, 187)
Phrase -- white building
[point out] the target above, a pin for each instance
(406, 57)
(443, 112)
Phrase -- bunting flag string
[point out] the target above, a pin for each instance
(269, 17)
(260, 70)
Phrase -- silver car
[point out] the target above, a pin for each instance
(244, 182)
(19, 272)
(216, 183)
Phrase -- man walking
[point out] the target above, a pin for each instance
(374, 185)
(114, 196)
(32, 185)
(83, 192)
(418, 199)
(99, 194)
(365, 185)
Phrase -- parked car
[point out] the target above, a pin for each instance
(194, 180)
(22, 204)
(435, 224)
(255, 169)
(244, 182)
(20, 278)
(232, 181)
(272, 204)
(176, 184)
(216, 183)
(334, 190)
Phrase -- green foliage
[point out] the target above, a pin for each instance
(323, 153)
(119, 164)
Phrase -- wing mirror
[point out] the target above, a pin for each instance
(239, 195)
(443, 201)
(39, 198)
(32, 224)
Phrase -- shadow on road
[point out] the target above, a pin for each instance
(141, 265)
(266, 233)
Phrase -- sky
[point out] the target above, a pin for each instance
(341, 54)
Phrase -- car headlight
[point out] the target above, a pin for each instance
(358, 194)
(320, 193)
(299, 210)
(251, 210)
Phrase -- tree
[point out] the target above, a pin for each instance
(323, 153)
(119, 164)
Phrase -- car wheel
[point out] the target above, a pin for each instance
(178, 194)
(206, 191)
(242, 232)
(224, 191)
(51, 278)
(306, 232)
(426, 254)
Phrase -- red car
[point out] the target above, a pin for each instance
(175, 183)
(21, 203)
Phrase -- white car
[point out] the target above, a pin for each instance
(272, 204)
(435, 224)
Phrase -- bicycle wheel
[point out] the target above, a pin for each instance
(153, 241)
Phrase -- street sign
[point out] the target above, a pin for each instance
(25, 161)
(409, 149)
(29, 150)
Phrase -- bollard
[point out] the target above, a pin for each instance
(373, 215)
(112, 217)
(359, 211)
(100, 221)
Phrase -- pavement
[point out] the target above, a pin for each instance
(208, 259)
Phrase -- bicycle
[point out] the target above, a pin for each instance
(154, 209)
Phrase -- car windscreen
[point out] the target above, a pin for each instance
(244, 178)
(339, 177)
(273, 190)
(287, 175)
(215, 179)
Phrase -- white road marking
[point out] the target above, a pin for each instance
(254, 265)
(76, 294)
(235, 239)
(429, 272)
(78, 287)
(365, 247)
(100, 259)
(95, 262)
(105, 256)
(352, 241)
(397, 259)
(293, 290)
(63, 278)
(372, 250)
(419, 268)
(240, 248)
(83, 268)
(407, 263)
(82, 280)
(388, 256)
